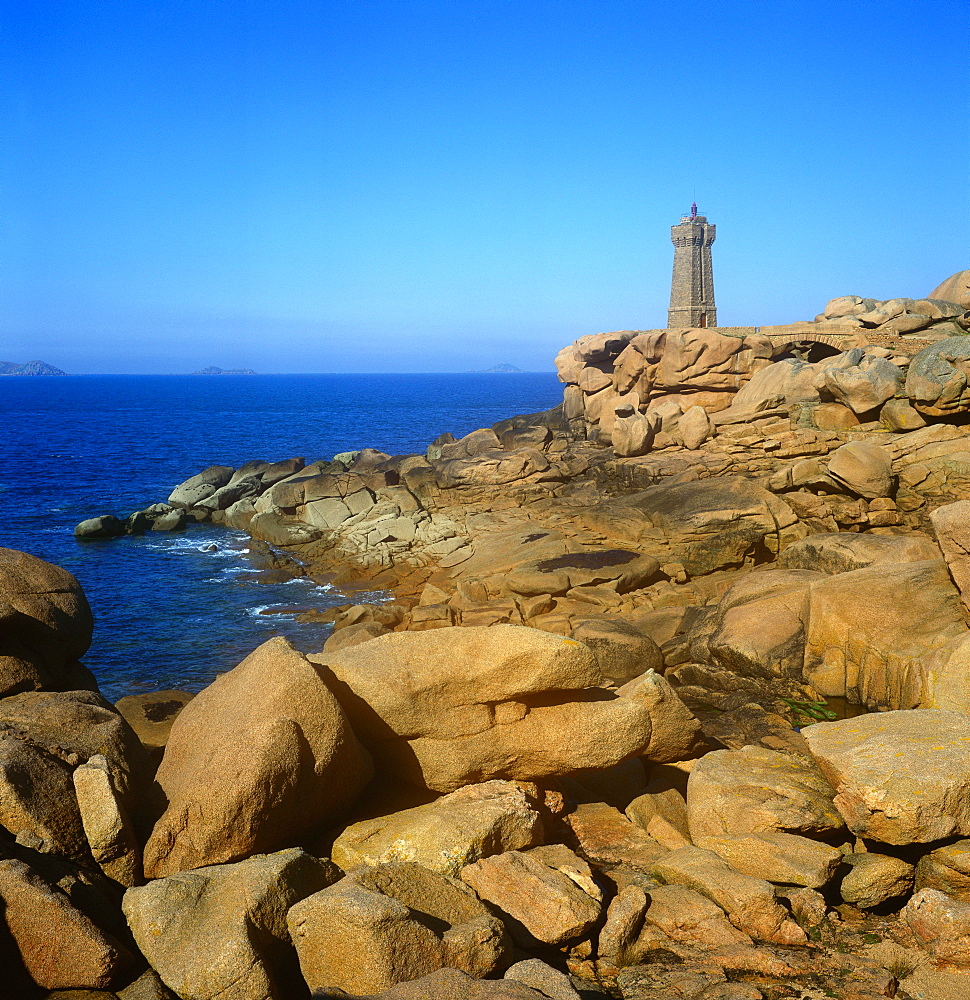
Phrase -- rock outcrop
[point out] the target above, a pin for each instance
(749, 902)
(380, 926)
(755, 790)
(60, 946)
(221, 931)
(448, 709)
(538, 902)
(447, 834)
(597, 725)
(914, 796)
(45, 626)
(956, 288)
(259, 760)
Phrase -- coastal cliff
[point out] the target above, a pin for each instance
(592, 745)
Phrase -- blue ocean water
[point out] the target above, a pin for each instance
(173, 610)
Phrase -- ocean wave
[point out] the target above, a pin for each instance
(170, 544)
(371, 597)
(231, 574)
(219, 552)
(216, 549)
(266, 611)
(304, 581)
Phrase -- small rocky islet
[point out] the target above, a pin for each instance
(28, 368)
(588, 748)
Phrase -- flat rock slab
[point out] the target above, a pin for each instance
(447, 834)
(711, 523)
(749, 902)
(753, 790)
(547, 903)
(151, 715)
(605, 834)
(558, 574)
(900, 777)
(843, 552)
(784, 858)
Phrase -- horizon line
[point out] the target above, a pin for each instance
(524, 371)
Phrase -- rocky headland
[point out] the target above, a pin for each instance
(670, 701)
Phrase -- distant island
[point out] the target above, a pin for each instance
(497, 368)
(212, 370)
(31, 368)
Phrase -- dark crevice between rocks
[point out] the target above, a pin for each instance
(588, 560)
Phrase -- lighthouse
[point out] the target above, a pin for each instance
(692, 285)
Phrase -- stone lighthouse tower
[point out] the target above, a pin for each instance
(692, 287)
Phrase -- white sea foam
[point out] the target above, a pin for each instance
(266, 611)
(219, 551)
(372, 597)
(174, 545)
(230, 574)
(187, 545)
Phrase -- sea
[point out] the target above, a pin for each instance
(172, 610)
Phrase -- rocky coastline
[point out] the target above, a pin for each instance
(591, 747)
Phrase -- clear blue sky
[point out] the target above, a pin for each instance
(401, 185)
